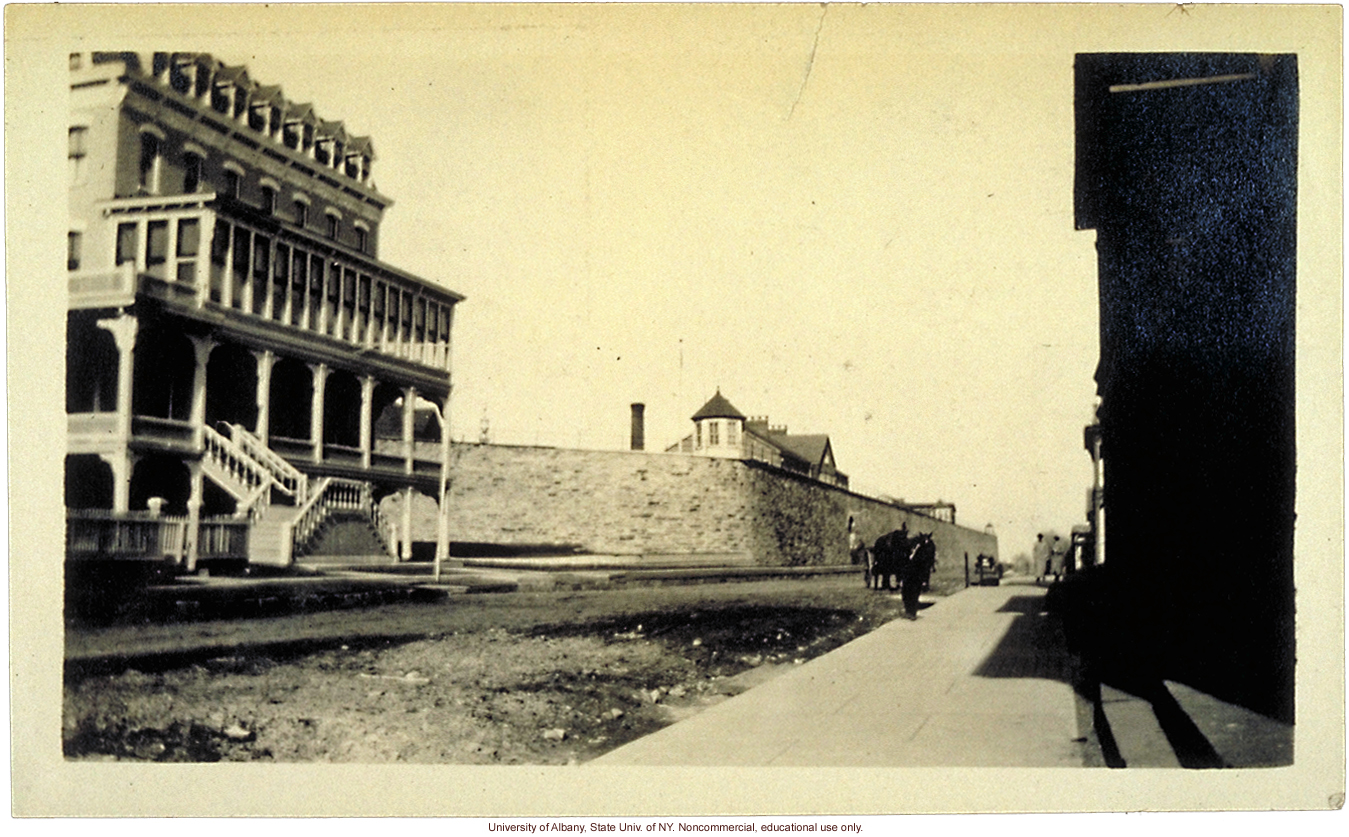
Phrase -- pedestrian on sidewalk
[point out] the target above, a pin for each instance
(1040, 557)
(917, 571)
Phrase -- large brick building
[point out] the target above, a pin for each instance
(232, 335)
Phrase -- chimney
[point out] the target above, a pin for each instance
(638, 427)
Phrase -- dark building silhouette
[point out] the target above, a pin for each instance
(1187, 170)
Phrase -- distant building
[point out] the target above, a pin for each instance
(232, 336)
(720, 430)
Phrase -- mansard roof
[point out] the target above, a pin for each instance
(718, 407)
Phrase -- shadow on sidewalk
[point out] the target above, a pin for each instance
(1100, 652)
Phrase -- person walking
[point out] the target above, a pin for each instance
(1040, 558)
(916, 573)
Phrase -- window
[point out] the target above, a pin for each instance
(148, 172)
(290, 135)
(299, 279)
(189, 245)
(377, 310)
(76, 60)
(232, 179)
(243, 251)
(220, 250)
(280, 281)
(333, 226)
(360, 239)
(74, 241)
(730, 433)
(77, 150)
(712, 432)
(191, 173)
(156, 247)
(220, 98)
(698, 435)
(268, 200)
(262, 252)
(126, 243)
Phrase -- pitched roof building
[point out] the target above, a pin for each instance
(719, 429)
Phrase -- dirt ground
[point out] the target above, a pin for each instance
(518, 678)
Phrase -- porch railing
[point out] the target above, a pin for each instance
(105, 535)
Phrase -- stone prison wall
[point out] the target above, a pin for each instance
(664, 506)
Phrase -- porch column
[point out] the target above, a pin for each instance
(193, 534)
(201, 347)
(409, 412)
(266, 359)
(367, 421)
(122, 464)
(320, 371)
(443, 496)
(406, 549)
(123, 329)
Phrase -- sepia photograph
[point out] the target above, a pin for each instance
(583, 410)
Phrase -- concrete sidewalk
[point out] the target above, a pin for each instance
(980, 679)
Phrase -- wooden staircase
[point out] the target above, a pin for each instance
(252, 474)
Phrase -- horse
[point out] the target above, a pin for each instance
(888, 558)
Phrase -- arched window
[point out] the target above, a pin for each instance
(148, 170)
(191, 172)
(234, 177)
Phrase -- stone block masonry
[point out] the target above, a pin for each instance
(668, 505)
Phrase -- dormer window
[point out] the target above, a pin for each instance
(257, 117)
(220, 98)
(290, 135)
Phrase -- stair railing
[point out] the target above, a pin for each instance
(333, 494)
(286, 477)
(252, 480)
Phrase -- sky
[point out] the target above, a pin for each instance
(849, 220)
(856, 220)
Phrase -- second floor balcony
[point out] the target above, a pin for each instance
(215, 255)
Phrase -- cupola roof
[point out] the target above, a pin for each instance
(718, 407)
